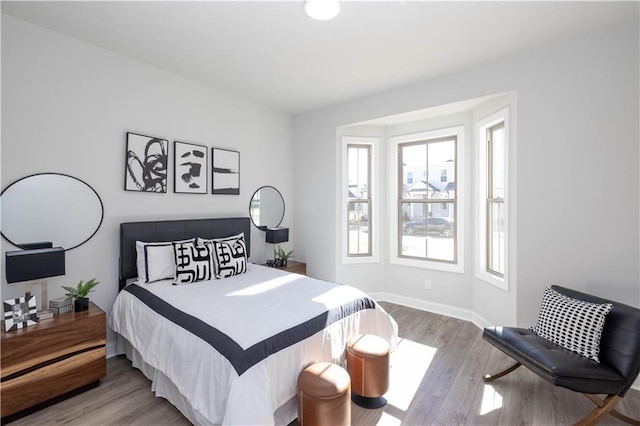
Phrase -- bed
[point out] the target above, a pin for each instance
(229, 350)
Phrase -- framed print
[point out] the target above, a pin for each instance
(226, 171)
(19, 313)
(190, 168)
(146, 164)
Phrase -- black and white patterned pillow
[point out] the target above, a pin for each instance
(230, 257)
(574, 324)
(193, 263)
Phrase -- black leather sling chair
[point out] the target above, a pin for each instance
(613, 376)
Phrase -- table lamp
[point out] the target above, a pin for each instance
(33, 267)
(277, 236)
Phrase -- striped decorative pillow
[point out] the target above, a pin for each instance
(156, 261)
(573, 324)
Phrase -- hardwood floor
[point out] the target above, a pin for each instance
(436, 379)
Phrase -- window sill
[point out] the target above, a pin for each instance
(501, 283)
(425, 264)
(360, 260)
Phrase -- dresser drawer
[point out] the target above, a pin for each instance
(52, 358)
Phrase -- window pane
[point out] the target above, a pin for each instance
(358, 236)
(442, 167)
(358, 168)
(426, 234)
(496, 237)
(497, 162)
(414, 163)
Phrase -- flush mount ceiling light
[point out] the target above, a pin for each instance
(322, 10)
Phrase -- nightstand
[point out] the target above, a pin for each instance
(58, 357)
(295, 267)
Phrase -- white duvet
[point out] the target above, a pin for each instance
(248, 308)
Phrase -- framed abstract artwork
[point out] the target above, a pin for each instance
(146, 164)
(226, 171)
(190, 168)
(20, 313)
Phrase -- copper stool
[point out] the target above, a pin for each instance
(323, 395)
(368, 366)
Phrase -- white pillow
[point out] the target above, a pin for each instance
(574, 324)
(156, 261)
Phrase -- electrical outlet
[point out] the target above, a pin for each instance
(427, 284)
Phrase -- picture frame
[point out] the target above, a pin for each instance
(145, 163)
(20, 313)
(190, 165)
(225, 178)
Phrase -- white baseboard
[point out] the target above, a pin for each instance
(424, 305)
(450, 311)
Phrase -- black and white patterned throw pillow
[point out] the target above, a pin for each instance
(230, 257)
(573, 324)
(193, 263)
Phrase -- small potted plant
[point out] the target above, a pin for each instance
(283, 256)
(79, 294)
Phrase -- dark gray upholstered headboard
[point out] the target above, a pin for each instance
(171, 230)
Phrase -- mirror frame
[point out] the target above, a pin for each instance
(65, 175)
(264, 227)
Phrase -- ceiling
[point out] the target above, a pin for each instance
(272, 53)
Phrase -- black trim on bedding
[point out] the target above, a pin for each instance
(242, 359)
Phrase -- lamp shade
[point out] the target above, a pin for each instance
(277, 235)
(28, 265)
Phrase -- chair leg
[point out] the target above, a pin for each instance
(612, 411)
(491, 377)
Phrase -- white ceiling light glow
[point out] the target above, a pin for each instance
(322, 10)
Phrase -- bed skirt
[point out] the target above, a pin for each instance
(164, 388)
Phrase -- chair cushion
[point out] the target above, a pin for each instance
(574, 324)
(555, 363)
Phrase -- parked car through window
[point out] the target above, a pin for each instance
(440, 225)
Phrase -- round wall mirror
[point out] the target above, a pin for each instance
(266, 208)
(52, 207)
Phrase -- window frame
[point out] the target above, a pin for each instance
(491, 198)
(394, 207)
(484, 199)
(373, 200)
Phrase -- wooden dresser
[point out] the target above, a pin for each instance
(52, 359)
(295, 267)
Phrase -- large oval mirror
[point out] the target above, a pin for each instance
(266, 208)
(50, 207)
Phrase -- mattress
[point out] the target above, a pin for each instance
(233, 348)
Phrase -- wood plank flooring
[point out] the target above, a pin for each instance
(436, 379)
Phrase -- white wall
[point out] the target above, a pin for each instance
(577, 112)
(66, 107)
